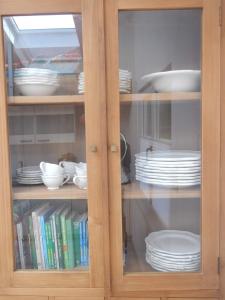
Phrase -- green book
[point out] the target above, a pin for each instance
(64, 237)
(69, 234)
(48, 243)
(77, 245)
(52, 238)
(32, 244)
(58, 243)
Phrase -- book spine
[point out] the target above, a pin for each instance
(20, 241)
(37, 241)
(48, 245)
(69, 234)
(86, 242)
(53, 244)
(77, 245)
(32, 244)
(81, 244)
(55, 240)
(64, 240)
(43, 241)
(59, 241)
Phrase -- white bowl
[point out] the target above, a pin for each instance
(175, 81)
(37, 89)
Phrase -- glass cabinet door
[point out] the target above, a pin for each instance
(162, 172)
(49, 175)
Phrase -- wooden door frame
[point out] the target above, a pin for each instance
(95, 118)
(222, 210)
(138, 283)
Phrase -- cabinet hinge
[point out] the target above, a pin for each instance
(218, 265)
(220, 16)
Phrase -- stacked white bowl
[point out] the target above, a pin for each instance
(36, 82)
(125, 82)
(173, 251)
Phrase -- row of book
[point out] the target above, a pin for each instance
(51, 237)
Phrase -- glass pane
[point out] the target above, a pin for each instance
(49, 183)
(160, 124)
(43, 54)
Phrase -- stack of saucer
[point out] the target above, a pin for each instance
(29, 175)
(169, 168)
(125, 82)
(36, 82)
(173, 251)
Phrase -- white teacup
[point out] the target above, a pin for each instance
(69, 167)
(80, 181)
(51, 169)
(54, 182)
(81, 169)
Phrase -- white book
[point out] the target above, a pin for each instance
(37, 235)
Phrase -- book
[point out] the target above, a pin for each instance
(36, 229)
(69, 233)
(48, 244)
(82, 239)
(77, 243)
(64, 237)
(58, 242)
(84, 229)
(32, 244)
(19, 231)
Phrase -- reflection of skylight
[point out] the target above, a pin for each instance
(44, 22)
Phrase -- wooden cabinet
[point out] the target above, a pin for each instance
(120, 101)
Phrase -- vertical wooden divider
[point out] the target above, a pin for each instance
(95, 120)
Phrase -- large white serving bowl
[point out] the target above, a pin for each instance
(37, 89)
(175, 81)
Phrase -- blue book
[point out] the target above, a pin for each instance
(85, 239)
(81, 242)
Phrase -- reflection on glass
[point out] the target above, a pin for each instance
(160, 140)
(43, 54)
(49, 182)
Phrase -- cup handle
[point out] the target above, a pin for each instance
(66, 180)
(42, 167)
(75, 178)
(61, 164)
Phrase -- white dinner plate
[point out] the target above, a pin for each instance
(171, 170)
(170, 156)
(174, 241)
(168, 183)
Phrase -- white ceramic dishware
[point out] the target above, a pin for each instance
(173, 251)
(54, 182)
(175, 81)
(69, 167)
(80, 181)
(81, 169)
(37, 89)
(51, 169)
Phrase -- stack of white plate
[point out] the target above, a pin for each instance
(125, 82)
(29, 175)
(169, 168)
(36, 82)
(173, 251)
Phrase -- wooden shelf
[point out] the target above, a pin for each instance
(23, 100)
(125, 98)
(40, 192)
(133, 191)
(138, 190)
(160, 97)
